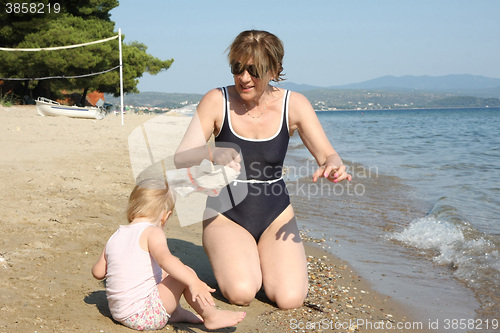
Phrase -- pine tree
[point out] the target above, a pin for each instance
(73, 22)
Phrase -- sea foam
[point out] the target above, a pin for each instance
(475, 259)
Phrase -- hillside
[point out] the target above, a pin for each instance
(387, 92)
(446, 83)
(330, 99)
(459, 85)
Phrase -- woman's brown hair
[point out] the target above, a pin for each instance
(265, 49)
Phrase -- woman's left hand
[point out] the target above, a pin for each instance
(332, 172)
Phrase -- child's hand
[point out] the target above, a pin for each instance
(201, 291)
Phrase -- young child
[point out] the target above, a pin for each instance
(144, 281)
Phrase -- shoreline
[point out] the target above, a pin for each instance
(416, 108)
(67, 182)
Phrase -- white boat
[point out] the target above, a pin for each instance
(47, 107)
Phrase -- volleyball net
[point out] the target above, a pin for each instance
(55, 48)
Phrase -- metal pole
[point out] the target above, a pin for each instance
(121, 72)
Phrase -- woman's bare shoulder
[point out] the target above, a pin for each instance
(212, 100)
(212, 96)
(298, 100)
(300, 109)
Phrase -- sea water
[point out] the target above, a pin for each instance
(421, 218)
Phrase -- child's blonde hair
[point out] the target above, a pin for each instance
(149, 198)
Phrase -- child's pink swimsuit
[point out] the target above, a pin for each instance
(132, 277)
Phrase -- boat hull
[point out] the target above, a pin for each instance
(46, 107)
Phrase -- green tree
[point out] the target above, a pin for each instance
(74, 22)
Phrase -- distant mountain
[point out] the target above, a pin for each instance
(386, 92)
(457, 84)
(296, 87)
(447, 83)
(370, 99)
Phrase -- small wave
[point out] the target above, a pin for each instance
(451, 246)
(430, 234)
(413, 166)
(475, 258)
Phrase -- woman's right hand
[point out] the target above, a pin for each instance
(226, 156)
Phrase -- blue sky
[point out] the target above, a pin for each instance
(327, 42)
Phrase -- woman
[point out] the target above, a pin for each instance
(253, 241)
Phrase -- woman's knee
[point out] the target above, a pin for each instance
(290, 299)
(287, 296)
(240, 292)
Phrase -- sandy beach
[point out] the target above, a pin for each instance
(65, 183)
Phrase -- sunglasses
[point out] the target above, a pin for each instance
(238, 69)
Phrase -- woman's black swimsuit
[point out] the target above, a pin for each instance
(259, 195)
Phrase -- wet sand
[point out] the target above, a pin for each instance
(65, 183)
